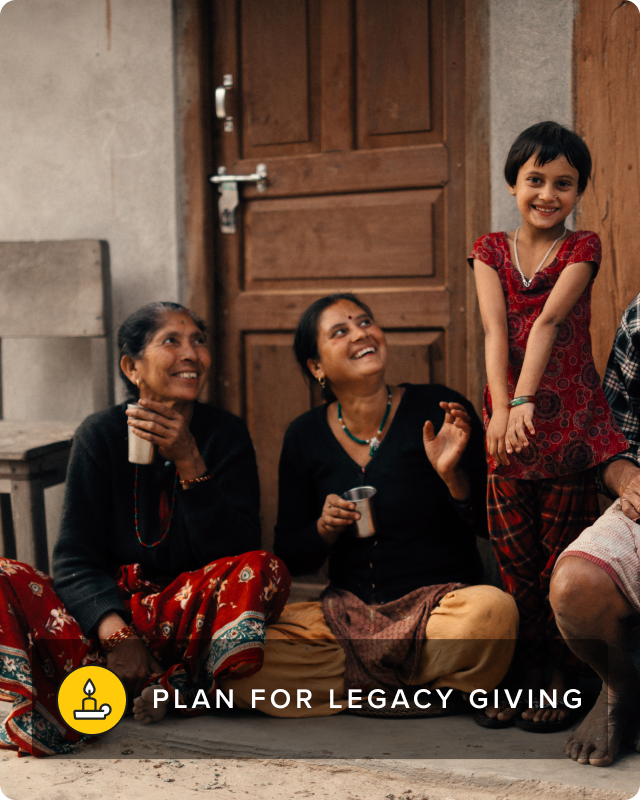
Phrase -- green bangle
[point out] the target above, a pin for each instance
(520, 401)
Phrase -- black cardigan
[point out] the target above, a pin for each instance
(211, 520)
(425, 537)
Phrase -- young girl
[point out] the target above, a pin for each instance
(546, 418)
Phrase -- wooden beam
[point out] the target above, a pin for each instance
(355, 171)
(478, 178)
(419, 308)
(192, 36)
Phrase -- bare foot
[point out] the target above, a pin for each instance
(547, 713)
(143, 706)
(597, 740)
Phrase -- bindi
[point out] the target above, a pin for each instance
(349, 317)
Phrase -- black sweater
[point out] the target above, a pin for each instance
(425, 537)
(211, 520)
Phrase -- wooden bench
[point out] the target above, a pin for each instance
(48, 290)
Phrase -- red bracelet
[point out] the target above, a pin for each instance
(128, 632)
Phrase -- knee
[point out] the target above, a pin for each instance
(503, 608)
(268, 564)
(492, 612)
(574, 580)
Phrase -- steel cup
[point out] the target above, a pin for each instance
(362, 496)
(140, 450)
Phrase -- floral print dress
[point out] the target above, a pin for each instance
(575, 428)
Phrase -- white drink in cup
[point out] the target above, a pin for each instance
(140, 450)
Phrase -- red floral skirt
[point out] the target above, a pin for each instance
(204, 625)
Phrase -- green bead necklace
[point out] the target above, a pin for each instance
(374, 442)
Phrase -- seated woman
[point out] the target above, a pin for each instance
(153, 571)
(422, 448)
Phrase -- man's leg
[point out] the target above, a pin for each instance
(597, 632)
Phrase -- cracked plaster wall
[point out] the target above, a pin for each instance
(530, 77)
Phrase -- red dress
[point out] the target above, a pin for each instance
(575, 428)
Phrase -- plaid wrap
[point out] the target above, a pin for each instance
(622, 379)
(530, 524)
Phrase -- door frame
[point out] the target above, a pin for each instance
(195, 143)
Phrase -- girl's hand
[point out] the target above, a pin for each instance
(520, 421)
(169, 431)
(445, 450)
(336, 515)
(496, 436)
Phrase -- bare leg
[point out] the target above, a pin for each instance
(143, 707)
(597, 633)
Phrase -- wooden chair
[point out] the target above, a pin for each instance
(48, 289)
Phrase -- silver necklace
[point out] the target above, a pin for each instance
(526, 282)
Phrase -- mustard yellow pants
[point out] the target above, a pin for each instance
(470, 640)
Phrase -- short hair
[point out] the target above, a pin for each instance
(137, 330)
(305, 341)
(549, 140)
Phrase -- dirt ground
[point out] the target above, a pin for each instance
(177, 779)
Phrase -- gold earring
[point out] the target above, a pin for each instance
(138, 383)
(322, 381)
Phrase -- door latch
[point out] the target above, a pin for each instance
(229, 198)
(221, 102)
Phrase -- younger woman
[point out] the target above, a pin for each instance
(546, 418)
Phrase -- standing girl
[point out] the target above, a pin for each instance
(546, 418)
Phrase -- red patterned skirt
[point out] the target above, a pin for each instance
(204, 625)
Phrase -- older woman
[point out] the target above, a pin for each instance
(415, 581)
(153, 571)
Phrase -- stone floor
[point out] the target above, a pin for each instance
(448, 758)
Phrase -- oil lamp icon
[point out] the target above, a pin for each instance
(90, 708)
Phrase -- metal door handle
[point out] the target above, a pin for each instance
(221, 102)
(258, 177)
(228, 201)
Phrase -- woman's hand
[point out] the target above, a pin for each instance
(445, 449)
(336, 515)
(520, 421)
(169, 431)
(133, 664)
(129, 659)
(496, 433)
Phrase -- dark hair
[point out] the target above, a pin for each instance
(549, 140)
(137, 330)
(305, 341)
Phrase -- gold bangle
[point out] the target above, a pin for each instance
(128, 632)
(190, 481)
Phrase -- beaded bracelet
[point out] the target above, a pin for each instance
(520, 401)
(110, 642)
(191, 481)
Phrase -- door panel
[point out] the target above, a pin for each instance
(344, 102)
(280, 45)
(270, 366)
(344, 237)
(394, 67)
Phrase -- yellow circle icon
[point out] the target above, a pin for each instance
(92, 699)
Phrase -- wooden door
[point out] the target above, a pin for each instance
(607, 101)
(356, 107)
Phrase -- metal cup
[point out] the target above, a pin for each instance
(362, 496)
(140, 450)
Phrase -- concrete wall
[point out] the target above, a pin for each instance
(87, 150)
(531, 75)
(87, 133)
